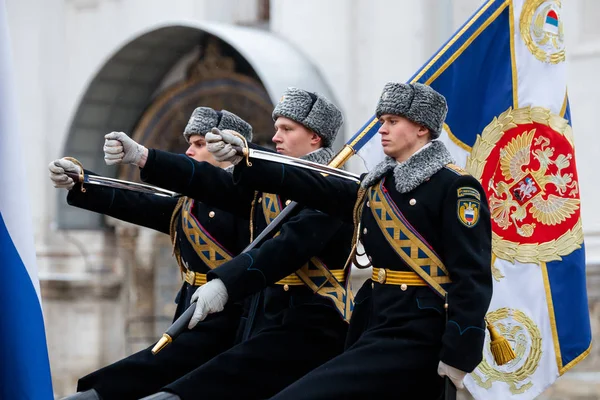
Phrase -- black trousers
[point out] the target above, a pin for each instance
(394, 357)
(143, 373)
(293, 332)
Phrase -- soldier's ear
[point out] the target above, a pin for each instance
(424, 131)
(315, 139)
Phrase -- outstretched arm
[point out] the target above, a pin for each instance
(199, 180)
(137, 208)
(332, 195)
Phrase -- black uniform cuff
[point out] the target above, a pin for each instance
(96, 198)
(149, 167)
(239, 277)
(461, 346)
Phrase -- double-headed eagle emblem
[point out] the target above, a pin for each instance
(526, 177)
(525, 162)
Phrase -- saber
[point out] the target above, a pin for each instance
(297, 162)
(181, 323)
(119, 184)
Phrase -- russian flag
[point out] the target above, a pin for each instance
(24, 366)
(552, 18)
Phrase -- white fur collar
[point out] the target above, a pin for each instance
(414, 171)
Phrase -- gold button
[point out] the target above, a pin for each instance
(404, 286)
(286, 287)
(287, 203)
(412, 202)
(260, 200)
(211, 214)
(381, 276)
(365, 231)
(372, 285)
(368, 203)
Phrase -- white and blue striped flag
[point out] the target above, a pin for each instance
(24, 366)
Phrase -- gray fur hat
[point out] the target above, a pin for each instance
(311, 110)
(203, 119)
(416, 102)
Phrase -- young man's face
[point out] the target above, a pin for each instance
(400, 137)
(198, 150)
(294, 139)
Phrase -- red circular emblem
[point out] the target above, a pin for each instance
(525, 161)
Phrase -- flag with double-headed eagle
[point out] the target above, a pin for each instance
(509, 125)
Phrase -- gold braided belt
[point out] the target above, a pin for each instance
(195, 278)
(403, 278)
(293, 279)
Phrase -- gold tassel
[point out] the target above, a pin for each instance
(500, 347)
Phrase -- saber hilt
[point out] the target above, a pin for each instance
(77, 177)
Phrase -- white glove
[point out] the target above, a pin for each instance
(121, 149)
(221, 145)
(455, 375)
(210, 298)
(58, 177)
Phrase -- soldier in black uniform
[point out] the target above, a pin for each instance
(296, 321)
(426, 227)
(194, 228)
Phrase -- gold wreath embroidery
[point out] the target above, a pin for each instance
(525, 339)
(547, 46)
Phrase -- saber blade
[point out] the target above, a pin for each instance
(298, 162)
(121, 184)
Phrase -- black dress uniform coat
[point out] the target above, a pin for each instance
(290, 330)
(405, 334)
(142, 373)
